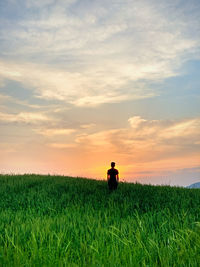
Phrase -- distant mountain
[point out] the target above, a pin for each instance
(195, 185)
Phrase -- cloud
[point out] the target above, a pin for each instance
(99, 139)
(61, 145)
(99, 52)
(23, 117)
(80, 89)
(38, 4)
(146, 140)
(135, 121)
(182, 129)
(88, 126)
(53, 132)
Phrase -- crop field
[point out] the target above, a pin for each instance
(64, 221)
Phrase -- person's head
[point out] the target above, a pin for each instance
(112, 164)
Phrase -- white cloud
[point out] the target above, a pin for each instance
(81, 89)
(182, 129)
(24, 117)
(135, 121)
(102, 52)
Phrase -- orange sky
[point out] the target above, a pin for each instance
(142, 151)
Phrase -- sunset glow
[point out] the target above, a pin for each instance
(84, 83)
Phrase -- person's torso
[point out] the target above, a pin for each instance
(113, 173)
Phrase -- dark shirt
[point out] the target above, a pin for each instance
(113, 174)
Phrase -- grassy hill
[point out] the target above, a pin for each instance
(63, 221)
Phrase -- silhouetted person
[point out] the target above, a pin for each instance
(112, 177)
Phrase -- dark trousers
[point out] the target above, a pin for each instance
(112, 185)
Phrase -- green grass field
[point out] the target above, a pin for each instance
(63, 221)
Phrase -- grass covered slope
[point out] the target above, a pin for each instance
(60, 221)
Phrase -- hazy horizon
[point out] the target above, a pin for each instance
(84, 83)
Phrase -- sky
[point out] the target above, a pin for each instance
(87, 82)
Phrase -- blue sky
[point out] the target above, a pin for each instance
(81, 79)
